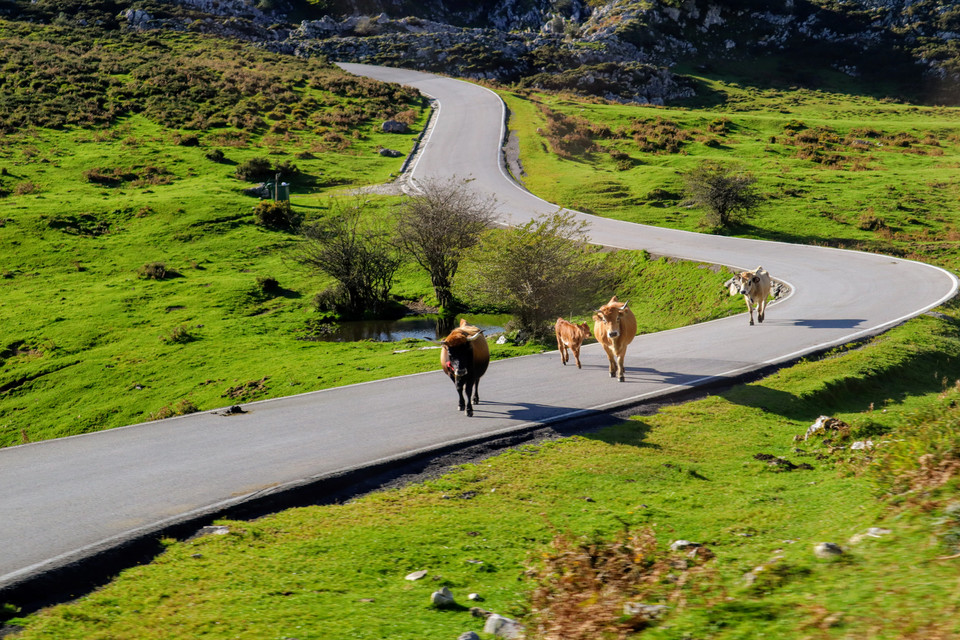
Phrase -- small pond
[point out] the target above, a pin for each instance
(423, 327)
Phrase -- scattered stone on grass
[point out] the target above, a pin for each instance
(646, 611)
(389, 153)
(476, 597)
(442, 598)
(468, 635)
(822, 425)
(210, 530)
(681, 545)
(502, 627)
(393, 126)
(827, 550)
(781, 464)
(416, 575)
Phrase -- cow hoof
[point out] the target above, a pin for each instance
(751, 323)
(469, 413)
(622, 379)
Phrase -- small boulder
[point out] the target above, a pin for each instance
(823, 424)
(680, 545)
(416, 575)
(645, 611)
(394, 126)
(468, 635)
(442, 598)
(503, 627)
(390, 153)
(827, 550)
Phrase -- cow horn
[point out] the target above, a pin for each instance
(475, 336)
(624, 307)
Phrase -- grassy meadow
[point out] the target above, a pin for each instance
(836, 169)
(86, 343)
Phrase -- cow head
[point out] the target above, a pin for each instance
(584, 329)
(610, 314)
(747, 281)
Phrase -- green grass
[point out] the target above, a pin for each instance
(897, 194)
(688, 472)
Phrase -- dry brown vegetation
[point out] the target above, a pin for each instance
(589, 589)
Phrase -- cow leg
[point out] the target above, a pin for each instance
(460, 395)
(470, 391)
(620, 367)
(563, 351)
(576, 354)
(749, 309)
(761, 309)
(476, 392)
(611, 356)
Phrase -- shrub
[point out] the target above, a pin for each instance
(255, 169)
(727, 193)
(187, 140)
(595, 588)
(182, 408)
(357, 252)
(539, 271)
(155, 271)
(277, 214)
(216, 155)
(25, 188)
(178, 335)
(268, 285)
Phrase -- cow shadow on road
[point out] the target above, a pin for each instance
(819, 323)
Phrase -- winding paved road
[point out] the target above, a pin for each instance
(66, 499)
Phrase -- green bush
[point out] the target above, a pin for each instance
(156, 271)
(254, 170)
(278, 215)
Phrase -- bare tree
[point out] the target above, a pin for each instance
(355, 253)
(727, 193)
(539, 271)
(437, 225)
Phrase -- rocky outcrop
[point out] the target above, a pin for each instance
(529, 40)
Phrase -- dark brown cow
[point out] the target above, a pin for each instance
(464, 356)
(755, 287)
(570, 336)
(615, 326)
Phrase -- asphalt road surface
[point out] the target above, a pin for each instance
(68, 499)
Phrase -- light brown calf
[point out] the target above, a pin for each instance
(570, 336)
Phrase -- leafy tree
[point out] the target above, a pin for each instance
(539, 271)
(438, 225)
(727, 193)
(355, 253)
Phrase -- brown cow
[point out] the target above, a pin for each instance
(615, 326)
(464, 356)
(570, 336)
(755, 287)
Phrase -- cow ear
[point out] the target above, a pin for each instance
(756, 278)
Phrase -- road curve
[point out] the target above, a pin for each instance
(65, 500)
